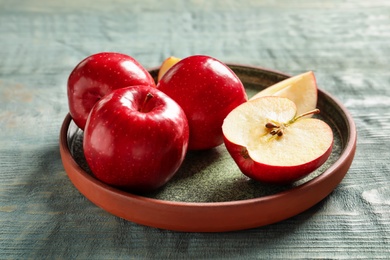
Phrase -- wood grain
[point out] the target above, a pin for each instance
(346, 44)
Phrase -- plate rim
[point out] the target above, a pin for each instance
(98, 192)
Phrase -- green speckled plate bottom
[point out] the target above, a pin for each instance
(210, 181)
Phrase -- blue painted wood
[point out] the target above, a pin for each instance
(346, 44)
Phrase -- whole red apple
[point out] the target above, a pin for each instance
(96, 76)
(207, 90)
(135, 138)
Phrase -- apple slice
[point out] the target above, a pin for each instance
(166, 65)
(301, 89)
(271, 143)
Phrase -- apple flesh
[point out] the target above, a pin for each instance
(301, 89)
(207, 90)
(166, 65)
(271, 143)
(136, 138)
(98, 75)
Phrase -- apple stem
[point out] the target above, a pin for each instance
(148, 97)
(278, 130)
(311, 112)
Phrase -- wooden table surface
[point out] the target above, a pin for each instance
(43, 216)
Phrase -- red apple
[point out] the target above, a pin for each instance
(207, 90)
(136, 138)
(98, 75)
(270, 143)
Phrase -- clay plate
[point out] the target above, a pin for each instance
(208, 193)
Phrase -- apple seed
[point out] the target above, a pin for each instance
(278, 130)
(271, 125)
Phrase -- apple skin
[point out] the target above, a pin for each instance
(279, 175)
(207, 90)
(131, 149)
(98, 75)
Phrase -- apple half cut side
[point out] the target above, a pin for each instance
(271, 143)
(301, 89)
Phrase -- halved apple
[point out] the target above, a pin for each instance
(271, 143)
(301, 89)
(166, 65)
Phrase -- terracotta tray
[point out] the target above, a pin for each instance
(209, 194)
